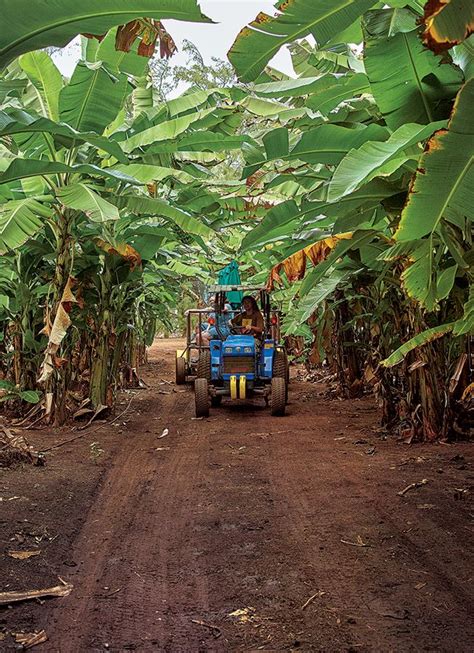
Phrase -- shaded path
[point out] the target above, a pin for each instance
(245, 512)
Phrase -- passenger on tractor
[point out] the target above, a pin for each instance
(212, 331)
(251, 319)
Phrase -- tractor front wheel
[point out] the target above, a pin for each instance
(204, 365)
(278, 396)
(180, 370)
(281, 368)
(201, 397)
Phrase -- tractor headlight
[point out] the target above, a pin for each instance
(228, 350)
(248, 350)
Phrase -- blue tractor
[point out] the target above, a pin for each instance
(239, 366)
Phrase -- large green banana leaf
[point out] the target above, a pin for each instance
(24, 168)
(320, 292)
(419, 278)
(289, 213)
(93, 97)
(188, 101)
(331, 90)
(201, 140)
(413, 85)
(15, 122)
(465, 324)
(447, 23)
(206, 141)
(148, 173)
(20, 220)
(82, 198)
(463, 56)
(326, 143)
(166, 130)
(373, 159)
(330, 143)
(419, 340)
(35, 24)
(294, 87)
(130, 63)
(159, 208)
(46, 79)
(444, 183)
(262, 39)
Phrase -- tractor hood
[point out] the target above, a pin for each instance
(238, 344)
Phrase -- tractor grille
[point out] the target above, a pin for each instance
(239, 365)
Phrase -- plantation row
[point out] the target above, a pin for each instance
(348, 189)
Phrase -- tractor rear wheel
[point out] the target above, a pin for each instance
(278, 396)
(180, 370)
(201, 397)
(281, 369)
(204, 365)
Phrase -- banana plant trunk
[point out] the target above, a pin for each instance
(101, 362)
(57, 385)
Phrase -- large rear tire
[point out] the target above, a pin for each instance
(201, 397)
(180, 370)
(281, 369)
(278, 397)
(204, 365)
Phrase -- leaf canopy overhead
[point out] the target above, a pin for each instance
(36, 24)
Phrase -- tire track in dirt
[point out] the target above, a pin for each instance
(130, 542)
(373, 588)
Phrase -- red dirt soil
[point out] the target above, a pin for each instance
(214, 537)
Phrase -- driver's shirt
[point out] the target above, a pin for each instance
(255, 320)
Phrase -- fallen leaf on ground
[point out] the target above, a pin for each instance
(24, 555)
(242, 614)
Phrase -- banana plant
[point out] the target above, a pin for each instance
(116, 193)
(371, 159)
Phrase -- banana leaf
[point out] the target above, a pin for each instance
(35, 24)
(19, 221)
(373, 159)
(414, 86)
(15, 122)
(419, 340)
(83, 198)
(46, 79)
(256, 44)
(444, 184)
(93, 98)
(447, 23)
(143, 206)
(24, 168)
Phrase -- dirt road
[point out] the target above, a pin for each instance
(242, 532)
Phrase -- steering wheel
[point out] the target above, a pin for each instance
(237, 329)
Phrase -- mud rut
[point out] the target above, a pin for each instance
(244, 514)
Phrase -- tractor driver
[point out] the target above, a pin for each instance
(251, 320)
